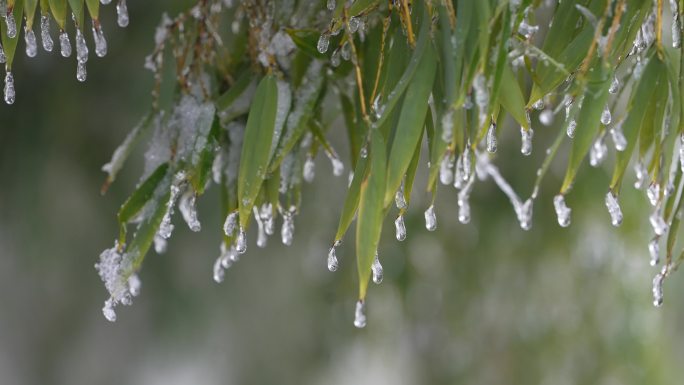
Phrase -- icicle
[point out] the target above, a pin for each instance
(654, 251)
(598, 152)
(526, 140)
(100, 40)
(309, 169)
(108, 310)
(572, 126)
(613, 209)
(614, 86)
(287, 229)
(160, 244)
(241, 244)
(399, 198)
(658, 287)
(219, 273)
(524, 212)
(618, 137)
(65, 45)
(166, 227)
(230, 223)
(606, 117)
(81, 47)
(400, 228)
(337, 165)
(446, 169)
(262, 239)
(345, 51)
(467, 165)
(267, 218)
(641, 175)
(10, 95)
(330, 5)
(186, 204)
(377, 270)
(458, 174)
(562, 210)
(491, 139)
(653, 193)
(430, 218)
(546, 117)
(134, 285)
(463, 201)
(81, 72)
(333, 264)
(360, 314)
(30, 40)
(658, 223)
(353, 24)
(323, 42)
(11, 24)
(122, 13)
(45, 37)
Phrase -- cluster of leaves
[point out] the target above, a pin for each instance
(256, 85)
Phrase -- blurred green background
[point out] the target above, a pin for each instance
(484, 303)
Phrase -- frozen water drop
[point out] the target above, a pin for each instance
(658, 287)
(122, 13)
(524, 213)
(81, 72)
(335, 58)
(81, 47)
(446, 170)
(309, 169)
(572, 127)
(333, 263)
(676, 33)
(345, 51)
(641, 175)
(3, 58)
(10, 94)
(330, 5)
(658, 223)
(614, 86)
(653, 193)
(618, 138)
(323, 43)
(337, 165)
(399, 198)
(219, 273)
(614, 209)
(430, 218)
(160, 244)
(108, 310)
(463, 209)
(262, 239)
(654, 251)
(546, 117)
(100, 40)
(400, 228)
(64, 44)
(187, 206)
(30, 40)
(526, 140)
(11, 24)
(134, 285)
(360, 314)
(230, 223)
(353, 24)
(45, 37)
(377, 270)
(241, 244)
(606, 116)
(287, 230)
(562, 210)
(491, 139)
(598, 152)
(105, 2)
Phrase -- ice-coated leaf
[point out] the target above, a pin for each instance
(256, 145)
(122, 152)
(137, 200)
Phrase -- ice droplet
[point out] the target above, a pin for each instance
(337, 165)
(446, 169)
(159, 244)
(658, 287)
(335, 58)
(572, 127)
(11, 24)
(562, 210)
(105, 2)
(262, 239)
(641, 174)
(287, 229)
(546, 117)
(100, 40)
(376, 268)
(219, 273)
(654, 251)
(241, 244)
(122, 13)
(538, 105)
(400, 228)
(30, 40)
(618, 137)
(614, 210)
(64, 44)
(323, 42)
(430, 218)
(526, 141)
(658, 223)
(491, 139)
(166, 227)
(3, 58)
(230, 223)
(333, 263)
(267, 218)
(45, 37)
(108, 310)
(399, 199)
(353, 24)
(360, 314)
(188, 210)
(10, 95)
(606, 116)
(524, 213)
(134, 285)
(614, 86)
(598, 152)
(653, 193)
(81, 72)
(309, 169)
(676, 33)
(81, 47)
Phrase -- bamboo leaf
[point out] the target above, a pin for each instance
(77, 12)
(511, 97)
(142, 194)
(30, 12)
(10, 45)
(124, 150)
(93, 8)
(59, 12)
(351, 201)
(256, 145)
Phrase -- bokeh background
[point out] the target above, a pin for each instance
(484, 303)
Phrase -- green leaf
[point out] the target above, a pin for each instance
(204, 151)
(30, 12)
(351, 201)
(93, 8)
(511, 97)
(369, 222)
(10, 45)
(124, 150)
(59, 12)
(236, 100)
(411, 123)
(77, 12)
(256, 145)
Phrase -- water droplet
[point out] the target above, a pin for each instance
(187, 206)
(360, 314)
(606, 117)
(654, 251)
(430, 218)
(618, 137)
(160, 244)
(134, 285)
(345, 51)
(353, 24)
(546, 117)
(331, 5)
(446, 169)
(614, 210)
(463, 208)
(81, 72)
(658, 287)
(467, 165)
(524, 213)
(377, 270)
(81, 47)
(526, 141)
(10, 95)
(658, 223)
(614, 86)
(598, 152)
(230, 223)
(108, 310)
(30, 40)
(11, 24)
(572, 127)
(562, 210)
(400, 228)
(323, 42)
(333, 263)
(122, 13)
(335, 58)
(241, 244)
(262, 239)
(491, 138)
(399, 198)
(641, 175)
(309, 170)
(287, 229)
(100, 40)
(64, 44)
(337, 165)
(45, 37)
(653, 193)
